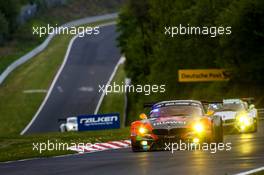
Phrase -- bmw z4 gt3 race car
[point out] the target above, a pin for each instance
(173, 121)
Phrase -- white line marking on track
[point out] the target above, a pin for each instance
(32, 91)
(60, 89)
(56, 78)
(121, 61)
(86, 89)
(251, 171)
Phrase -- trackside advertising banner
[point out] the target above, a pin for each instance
(98, 122)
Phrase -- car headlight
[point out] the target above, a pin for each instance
(244, 120)
(198, 127)
(70, 127)
(142, 130)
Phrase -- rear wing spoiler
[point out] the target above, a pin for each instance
(205, 103)
(211, 102)
(149, 105)
(250, 100)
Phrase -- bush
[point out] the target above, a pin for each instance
(3, 28)
(153, 58)
(10, 9)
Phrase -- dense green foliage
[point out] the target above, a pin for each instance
(8, 13)
(154, 58)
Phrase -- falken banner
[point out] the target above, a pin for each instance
(203, 75)
(98, 122)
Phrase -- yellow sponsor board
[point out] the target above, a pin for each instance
(203, 75)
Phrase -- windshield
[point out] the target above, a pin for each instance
(72, 120)
(233, 106)
(177, 110)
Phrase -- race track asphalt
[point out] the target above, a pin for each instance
(90, 63)
(247, 153)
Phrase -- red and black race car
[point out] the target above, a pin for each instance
(172, 121)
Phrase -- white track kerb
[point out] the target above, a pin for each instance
(56, 78)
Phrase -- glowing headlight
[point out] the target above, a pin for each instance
(245, 120)
(196, 140)
(142, 130)
(70, 127)
(144, 143)
(198, 127)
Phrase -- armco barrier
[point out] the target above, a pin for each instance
(42, 46)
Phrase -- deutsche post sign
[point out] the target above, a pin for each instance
(203, 75)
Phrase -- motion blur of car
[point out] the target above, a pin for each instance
(70, 125)
(173, 121)
(238, 114)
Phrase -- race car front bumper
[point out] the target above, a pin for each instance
(245, 124)
(159, 142)
(229, 122)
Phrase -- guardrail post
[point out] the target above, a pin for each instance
(127, 82)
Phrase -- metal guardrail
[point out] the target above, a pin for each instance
(42, 46)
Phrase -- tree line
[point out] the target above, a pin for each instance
(153, 57)
(9, 11)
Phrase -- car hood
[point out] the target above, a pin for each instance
(171, 122)
(225, 115)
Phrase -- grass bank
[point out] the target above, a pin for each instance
(21, 147)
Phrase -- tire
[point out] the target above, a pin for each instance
(135, 147)
(217, 130)
(63, 128)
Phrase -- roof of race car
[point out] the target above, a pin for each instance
(234, 100)
(177, 102)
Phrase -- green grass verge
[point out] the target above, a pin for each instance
(114, 102)
(21, 147)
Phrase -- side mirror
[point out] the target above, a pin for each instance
(251, 106)
(143, 116)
